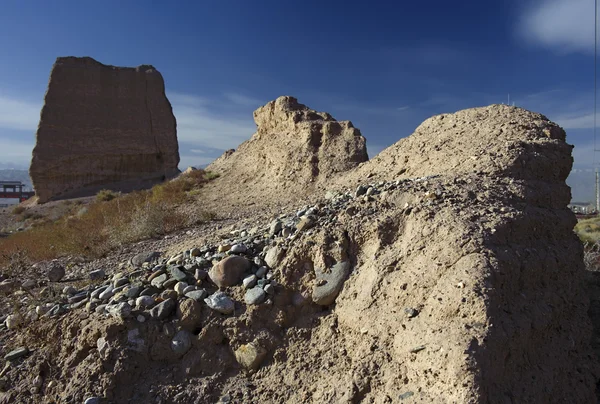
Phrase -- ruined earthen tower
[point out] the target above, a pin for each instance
(103, 127)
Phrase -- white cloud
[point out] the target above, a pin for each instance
(563, 25)
(15, 153)
(18, 114)
(583, 155)
(243, 100)
(580, 121)
(217, 127)
(205, 125)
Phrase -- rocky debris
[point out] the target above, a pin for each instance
(163, 310)
(329, 283)
(89, 138)
(228, 272)
(435, 278)
(144, 258)
(250, 355)
(16, 354)
(56, 272)
(256, 295)
(220, 302)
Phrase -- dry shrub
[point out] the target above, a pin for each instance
(18, 210)
(106, 195)
(101, 226)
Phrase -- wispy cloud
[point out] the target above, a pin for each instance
(570, 109)
(243, 100)
(215, 126)
(561, 25)
(208, 125)
(18, 114)
(15, 152)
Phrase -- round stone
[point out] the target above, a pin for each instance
(229, 271)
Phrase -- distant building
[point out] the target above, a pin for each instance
(582, 208)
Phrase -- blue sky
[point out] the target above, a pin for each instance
(386, 66)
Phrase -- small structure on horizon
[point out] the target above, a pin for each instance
(14, 190)
(583, 208)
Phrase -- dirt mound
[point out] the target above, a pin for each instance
(457, 279)
(293, 150)
(103, 127)
(497, 140)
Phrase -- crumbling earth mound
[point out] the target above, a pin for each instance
(103, 127)
(449, 280)
(293, 150)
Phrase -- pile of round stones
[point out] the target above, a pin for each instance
(153, 289)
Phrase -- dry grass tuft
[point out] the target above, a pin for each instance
(106, 195)
(105, 224)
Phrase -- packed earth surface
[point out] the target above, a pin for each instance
(444, 270)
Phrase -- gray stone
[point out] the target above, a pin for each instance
(189, 288)
(169, 283)
(180, 287)
(120, 282)
(249, 282)
(69, 290)
(145, 302)
(262, 283)
(269, 289)
(93, 400)
(158, 271)
(169, 294)
(275, 227)
(181, 342)
(164, 309)
(139, 259)
(197, 295)
(96, 293)
(220, 302)
(239, 249)
(201, 274)
(149, 291)
(159, 280)
(134, 291)
(273, 256)
(107, 294)
(101, 308)
(78, 297)
(97, 275)
(261, 272)
(78, 304)
(16, 354)
(360, 190)
(330, 283)
(410, 312)
(255, 295)
(121, 310)
(178, 274)
(56, 272)
(286, 232)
